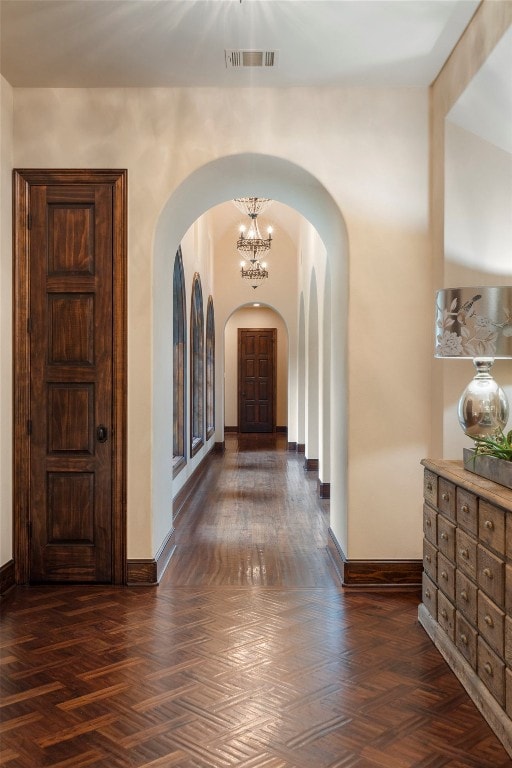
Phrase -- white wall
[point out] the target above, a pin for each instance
(369, 150)
(6, 154)
(254, 317)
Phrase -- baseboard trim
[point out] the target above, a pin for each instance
(324, 489)
(371, 574)
(149, 572)
(282, 429)
(219, 447)
(292, 446)
(7, 577)
(188, 488)
(311, 465)
(230, 429)
(301, 447)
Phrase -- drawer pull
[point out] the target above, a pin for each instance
(464, 553)
(488, 668)
(488, 620)
(444, 575)
(464, 595)
(444, 536)
(429, 487)
(429, 522)
(427, 592)
(445, 496)
(487, 572)
(489, 525)
(428, 558)
(444, 614)
(464, 509)
(463, 639)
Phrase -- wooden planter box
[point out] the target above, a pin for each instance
(498, 470)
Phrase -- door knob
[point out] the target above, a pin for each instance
(102, 434)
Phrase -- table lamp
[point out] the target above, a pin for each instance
(476, 323)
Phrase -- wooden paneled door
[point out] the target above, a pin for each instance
(257, 379)
(70, 376)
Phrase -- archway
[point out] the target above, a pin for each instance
(215, 182)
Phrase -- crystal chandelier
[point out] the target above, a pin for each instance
(254, 273)
(250, 244)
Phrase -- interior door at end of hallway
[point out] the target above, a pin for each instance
(256, 379)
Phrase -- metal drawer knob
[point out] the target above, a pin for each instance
(429, 487)
(428, 558)
(427, 592)
(463, 639)
(464, 553)
(464, 595)
(489, 524)
(444, 614)
(445, 496)
(444, 575)
(429, 522)
(488, 668)
(464, 509)
(488, 620)
(444, 536)
(487, 572)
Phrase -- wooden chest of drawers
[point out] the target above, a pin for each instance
(466, 606)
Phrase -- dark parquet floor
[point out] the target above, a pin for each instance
(248, 655)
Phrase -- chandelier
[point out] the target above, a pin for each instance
(252, 206)
(250, 244)
(255, 273)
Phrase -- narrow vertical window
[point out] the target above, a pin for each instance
(179, 364)
(196, 367)
(210, 369)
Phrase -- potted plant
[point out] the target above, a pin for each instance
(491, 458)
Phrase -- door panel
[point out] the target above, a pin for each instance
(256, 379)
(74, 372)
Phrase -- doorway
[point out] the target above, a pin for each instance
(70, 376)
(257, 354)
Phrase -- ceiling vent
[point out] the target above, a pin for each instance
(235, 59)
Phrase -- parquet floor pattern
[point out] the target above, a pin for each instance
(262, 673)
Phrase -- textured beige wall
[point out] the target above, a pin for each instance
(369, 149)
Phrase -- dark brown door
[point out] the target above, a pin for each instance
(256, 379)
(72, 517)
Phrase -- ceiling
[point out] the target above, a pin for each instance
(181, 43)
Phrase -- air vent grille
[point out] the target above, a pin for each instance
(236, 59)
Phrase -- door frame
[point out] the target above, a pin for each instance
(23, 179)
(274, 377)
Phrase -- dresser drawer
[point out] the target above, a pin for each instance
(491, 526)
(466, 597)
(491, 671)
(466, 639)
(429, 596)
(446, 576)
(430, 524)
(430, 559)
(446, 615)
(446, 498)
(491, 575)
(465, 553)
(508, 535)
(491, 623)
(446, 538)
(467, 511)
(430, 487)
